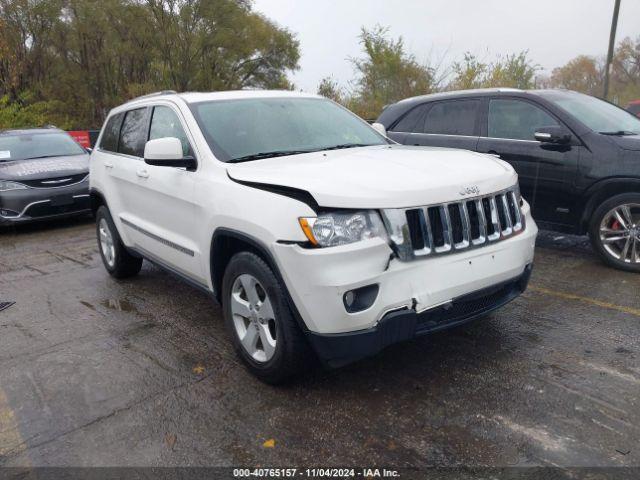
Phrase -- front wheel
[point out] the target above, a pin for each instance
(615, 231)
(264, 331)
(115, 257)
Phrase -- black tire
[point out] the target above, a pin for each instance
(124, 265)
(594, 230)
(292, 353)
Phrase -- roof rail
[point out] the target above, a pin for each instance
(154, 94)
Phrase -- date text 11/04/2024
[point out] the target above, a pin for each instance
(315, 473)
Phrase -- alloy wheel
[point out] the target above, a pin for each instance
(253, 318)
(106, 243)
(620, 233)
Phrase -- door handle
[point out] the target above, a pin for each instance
(142, 173)
(108, 165)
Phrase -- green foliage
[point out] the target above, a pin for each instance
(19, 114)
(582, 74)
(510, 71)
(330, 89)
(386, 74)
(625, 71)
(79, 58)
(586, 74)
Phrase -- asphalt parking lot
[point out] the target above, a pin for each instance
(97, 372)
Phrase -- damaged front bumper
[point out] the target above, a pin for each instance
(340, 349)
(407, 293)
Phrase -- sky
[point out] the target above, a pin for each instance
(440, 31)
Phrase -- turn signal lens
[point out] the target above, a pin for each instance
(307, 228)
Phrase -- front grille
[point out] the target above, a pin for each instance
(55, 181)
(455, 226)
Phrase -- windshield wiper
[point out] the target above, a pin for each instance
(347, 145)
(42, 156)
(619, 133)
(261, 155)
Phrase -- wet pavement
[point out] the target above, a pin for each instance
(141, 372)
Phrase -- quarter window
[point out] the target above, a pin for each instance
(133, 133)
(165, 123)
(516, 120)
(452, 118)
(412, 120)
(109, 140)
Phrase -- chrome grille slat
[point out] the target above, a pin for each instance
(446, 228)
(508, 228)
(517, 226)
(466, 226)
(482, 224)
(425, 228)
(495, 220)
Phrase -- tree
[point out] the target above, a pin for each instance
(625, 71)
(470, 73)
(514, 71)
(76, 59)
(386, 74)
(330, 89)
(582, 74)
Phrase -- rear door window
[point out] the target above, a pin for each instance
(133, 133)
(516, 119)
(109, 140)
(455, 117)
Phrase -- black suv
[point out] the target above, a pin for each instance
(578, 157)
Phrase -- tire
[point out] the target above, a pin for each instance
(291, 354)
(118, 261)
(605, 225)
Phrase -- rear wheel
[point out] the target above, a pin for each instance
(264, 331)
(615, 231)
(115, 257)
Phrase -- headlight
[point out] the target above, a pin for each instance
(342, 227)
(6, 185)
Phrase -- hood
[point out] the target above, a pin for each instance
(385, 176)
(627, 142)
(41, 168)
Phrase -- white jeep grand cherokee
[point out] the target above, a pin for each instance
(314, 231)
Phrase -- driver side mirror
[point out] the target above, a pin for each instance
(553, 134)
(167, 152)
(378, 127)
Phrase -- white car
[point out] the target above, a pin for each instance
(315, 232)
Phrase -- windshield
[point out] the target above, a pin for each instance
(250, 129)
(22, 146)
(599, 115)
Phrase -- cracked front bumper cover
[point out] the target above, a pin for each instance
(337, 350)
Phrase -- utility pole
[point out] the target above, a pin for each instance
(612, 42)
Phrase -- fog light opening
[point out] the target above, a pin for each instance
(8, 213)
(360, 299)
